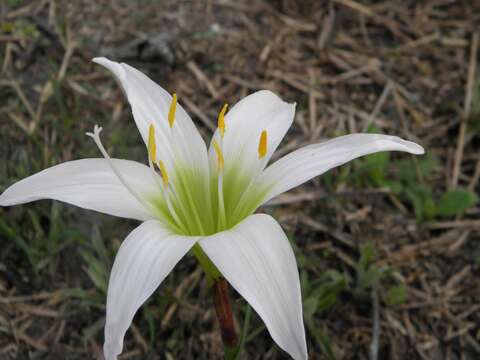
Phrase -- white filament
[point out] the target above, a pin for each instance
(221, 204)
(96, 137)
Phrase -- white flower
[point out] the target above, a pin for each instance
(204, 200)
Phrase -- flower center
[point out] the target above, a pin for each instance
(192, 201)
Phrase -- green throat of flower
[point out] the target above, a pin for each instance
(196, 206)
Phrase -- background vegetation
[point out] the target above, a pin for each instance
(388, 246)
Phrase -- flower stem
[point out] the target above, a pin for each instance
(208, 267)
(223, 309)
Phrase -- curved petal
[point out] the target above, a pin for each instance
(257, 259)
(143, 261)
(179, 145)
(303, 164)
(87, 183)
(244, 123)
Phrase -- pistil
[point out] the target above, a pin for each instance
(96, 137)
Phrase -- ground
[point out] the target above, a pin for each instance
(387, 246)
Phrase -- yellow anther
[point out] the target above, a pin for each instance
(171, 112)
(220, 159)
(163, 171)
(152, 147)
(262, 145)
(221, 120)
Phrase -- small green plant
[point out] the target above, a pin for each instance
(15, 3)
(396, 295)
(409, 181)
(428, 205)
(368, 275)
(98, 262)
(455, 202)
(322, 293)
(49, 237)
(19, 27)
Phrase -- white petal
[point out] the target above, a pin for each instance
(87, 183)
(303, 164)
(150, 104)
(257, 259)
(244, 124)
(143, 261)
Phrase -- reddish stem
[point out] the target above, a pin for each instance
(223, 309)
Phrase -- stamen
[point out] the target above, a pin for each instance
(152, 153)
(221, 204)
(152, 147)
(163, 171)
(96, 137)
(152, 157)
(262, 145)
(166, 195)
(221, 120)
(222, 219)
(220, 159)
(171, 112)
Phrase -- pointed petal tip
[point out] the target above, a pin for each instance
(116, 68)
(101, 60)
(385, 143)
(113, 66)
(417, 149)
(412, 148)
(312, 160)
